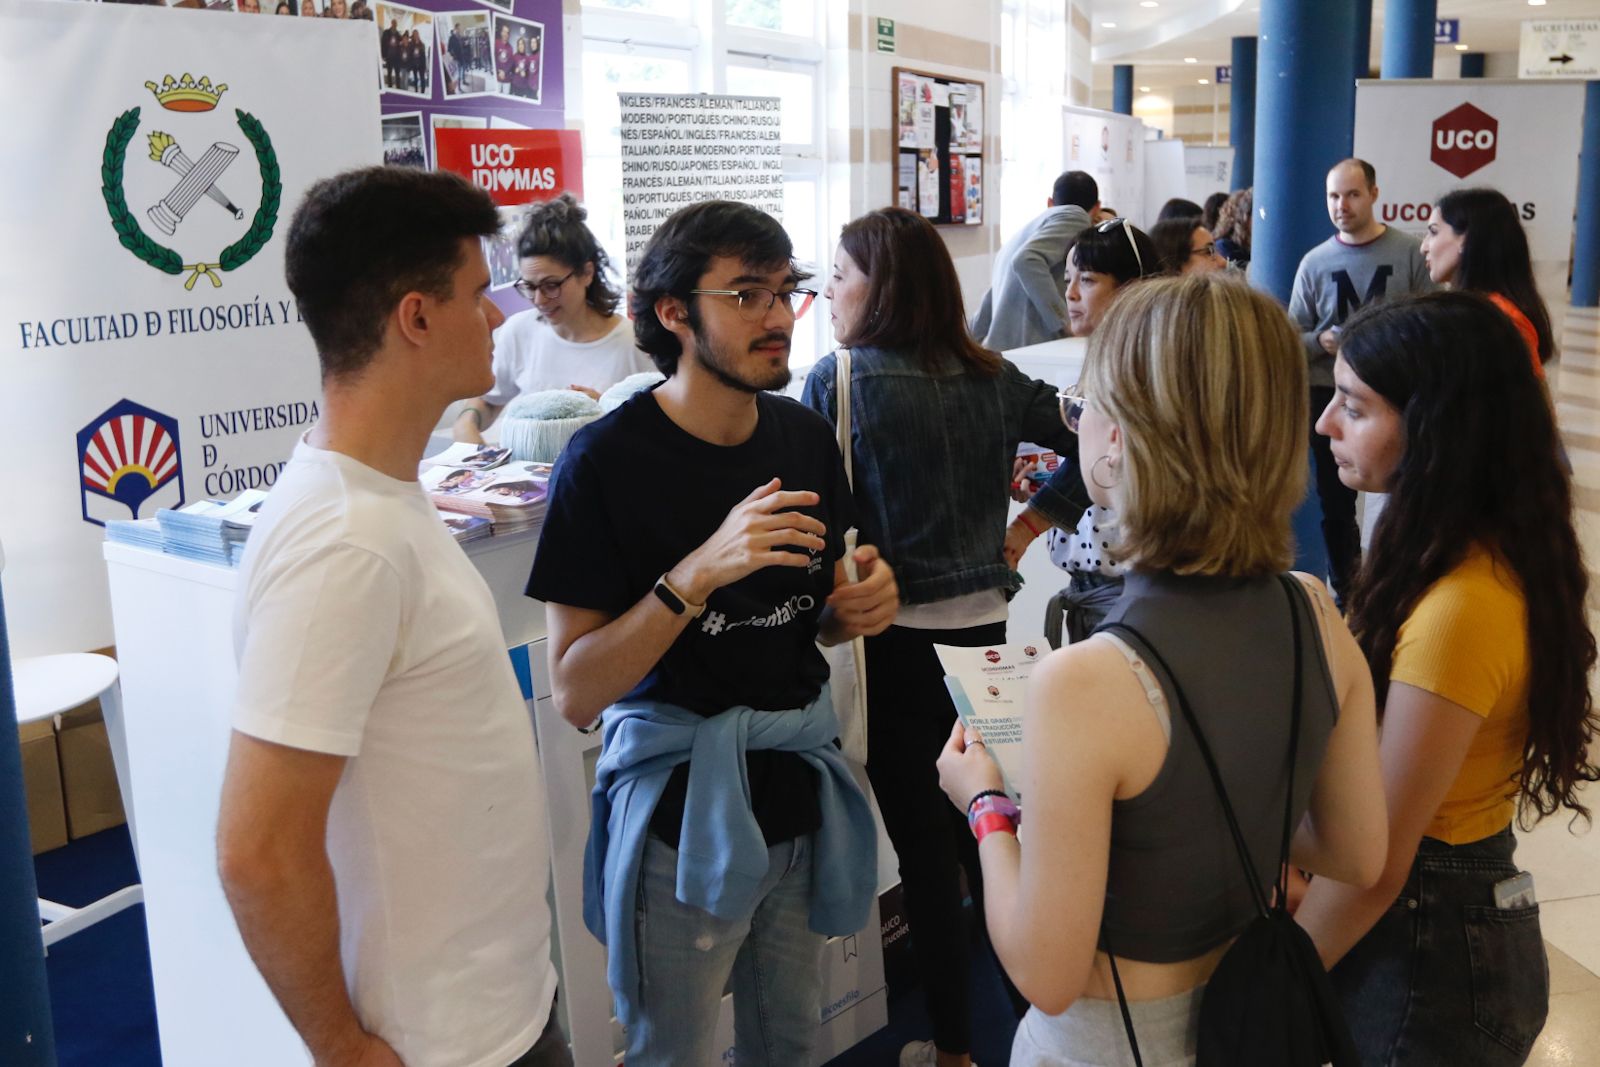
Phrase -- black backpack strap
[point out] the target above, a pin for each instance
(1122, 998)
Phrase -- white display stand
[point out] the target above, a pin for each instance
(173, 621)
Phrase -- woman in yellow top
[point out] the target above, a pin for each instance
(1470, 609)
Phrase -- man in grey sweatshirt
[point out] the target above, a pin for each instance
(1026, 303)
(1365, 261)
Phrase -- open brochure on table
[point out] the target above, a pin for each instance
(988, 684)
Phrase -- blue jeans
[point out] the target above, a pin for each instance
(686, 956)
(1445, 977)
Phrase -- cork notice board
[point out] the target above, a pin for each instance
(939, 165)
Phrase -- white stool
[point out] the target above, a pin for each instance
(46, 686)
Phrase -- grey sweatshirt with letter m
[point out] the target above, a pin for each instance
(1335, 279)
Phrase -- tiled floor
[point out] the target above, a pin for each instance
(1565, 861)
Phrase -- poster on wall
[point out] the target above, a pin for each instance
(1522, 138)
(1110, 148)
(1207, 169)
(1559, 48)
(151, 351)
(679, 149)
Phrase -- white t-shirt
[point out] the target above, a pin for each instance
(362, 630)
(529, 357)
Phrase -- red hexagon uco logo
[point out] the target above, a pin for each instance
(1464, 140)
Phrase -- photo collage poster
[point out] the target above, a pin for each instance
(939, 137)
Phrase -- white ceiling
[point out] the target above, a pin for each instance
(1157, 40)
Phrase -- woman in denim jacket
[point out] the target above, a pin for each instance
(936, 420)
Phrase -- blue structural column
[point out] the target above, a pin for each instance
(1242, 112)
(1408, 29)
(1586, 254)
(1305, 118)
(26, 1036)
(1472, 64)
(1122, 88)
(1363, 63)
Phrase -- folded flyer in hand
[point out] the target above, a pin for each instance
(988, 684)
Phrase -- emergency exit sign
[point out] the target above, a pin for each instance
(885, 35)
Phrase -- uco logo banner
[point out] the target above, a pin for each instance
(128, 456)
(1464, 140)
(514, 166)
(188, 180)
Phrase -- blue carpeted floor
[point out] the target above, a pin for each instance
(105, 1013)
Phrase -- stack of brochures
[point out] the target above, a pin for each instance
(511, 495)
(211, 531)
(466, 456)
(141, 533)
(466, 528)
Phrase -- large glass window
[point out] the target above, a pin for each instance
(747, 47)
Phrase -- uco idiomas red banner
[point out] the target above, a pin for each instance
(514, 166)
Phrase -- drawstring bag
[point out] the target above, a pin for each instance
(1270, 1000)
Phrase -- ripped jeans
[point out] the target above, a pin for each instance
(687, 955)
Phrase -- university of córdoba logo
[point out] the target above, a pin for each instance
(191, 180)
(129, 455)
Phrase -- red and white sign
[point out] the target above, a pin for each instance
(1464, 139)
(514, 166)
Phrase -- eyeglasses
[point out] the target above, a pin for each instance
(547, 288)
(1072, 405)
(1105, 227)
(1207, 250)
(755, 303)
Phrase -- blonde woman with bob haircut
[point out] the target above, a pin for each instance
(1190, 420)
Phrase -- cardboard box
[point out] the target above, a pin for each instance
(88, 775)
(41, 780)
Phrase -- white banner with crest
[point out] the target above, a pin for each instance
(150, 351)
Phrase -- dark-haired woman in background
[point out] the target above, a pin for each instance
(1213, 207)
(1475, 244)
(1185, 246)
(936, 420)
(1470, 610)
(572, 338)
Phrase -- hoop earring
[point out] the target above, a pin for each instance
(1110, 467)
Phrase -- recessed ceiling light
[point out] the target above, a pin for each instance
(1205, 81)
(1148, 3)
(1190, 59)
(1461, 48)
(1144, 88)
(1535, 3)
(1108, 25)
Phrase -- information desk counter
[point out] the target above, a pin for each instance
(173, 620)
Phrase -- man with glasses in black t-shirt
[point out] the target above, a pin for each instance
(692, 557)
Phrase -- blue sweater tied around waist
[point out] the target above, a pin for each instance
(722, 856)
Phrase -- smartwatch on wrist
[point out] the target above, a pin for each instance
(676, 601)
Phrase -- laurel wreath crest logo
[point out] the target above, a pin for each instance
(197, 180)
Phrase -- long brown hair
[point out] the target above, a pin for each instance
(913, 299)
(1480, 468)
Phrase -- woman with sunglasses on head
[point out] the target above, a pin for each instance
(1104, 260)
(1185, 246)
(1191, 422)
(572, 337)
(1469, 606)
(1475, 244)
(926, 397)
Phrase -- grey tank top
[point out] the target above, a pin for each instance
(1175, 889)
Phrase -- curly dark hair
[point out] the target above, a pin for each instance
(1233, 220)
(556, 228)
(1481, 467)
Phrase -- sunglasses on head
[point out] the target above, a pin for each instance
(1105, 227)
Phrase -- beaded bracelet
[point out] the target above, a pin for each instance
(993, 811)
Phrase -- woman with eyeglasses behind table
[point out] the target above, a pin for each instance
(572, 337)
(1192, 423)
(1185, 246)
(1103, 261)
(935, 421)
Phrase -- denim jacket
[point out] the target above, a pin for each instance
(934, 448)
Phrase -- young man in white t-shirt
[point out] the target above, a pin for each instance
(382, 836)
(572, 337)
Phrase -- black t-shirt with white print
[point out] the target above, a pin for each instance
(632, 495)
